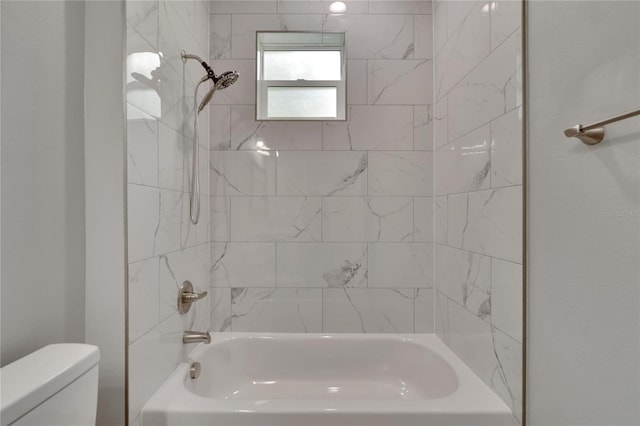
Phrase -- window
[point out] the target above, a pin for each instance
(301, 76)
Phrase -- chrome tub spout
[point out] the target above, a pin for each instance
(196, 337)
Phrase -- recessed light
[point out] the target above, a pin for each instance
(337, 7)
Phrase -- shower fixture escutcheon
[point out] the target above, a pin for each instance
(186, 296)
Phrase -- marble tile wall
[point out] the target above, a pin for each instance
(478, 188)
(325, 226)
(164, 248)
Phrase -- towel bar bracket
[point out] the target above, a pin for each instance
(593, 133)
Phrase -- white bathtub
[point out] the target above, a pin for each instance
(325, 380)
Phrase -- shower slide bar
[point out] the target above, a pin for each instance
(593, 133)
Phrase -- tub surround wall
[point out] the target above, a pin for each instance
(164, 247)
(478, 188)
(329, 228)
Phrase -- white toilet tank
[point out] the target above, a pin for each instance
(54, 386)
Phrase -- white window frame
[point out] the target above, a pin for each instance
(262, 85)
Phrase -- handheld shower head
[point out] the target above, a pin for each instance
(220, 82)
(225, 79)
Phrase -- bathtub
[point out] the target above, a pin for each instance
(252, 379)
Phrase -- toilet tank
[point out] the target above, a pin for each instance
(56, 385)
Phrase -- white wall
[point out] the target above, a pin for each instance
(105, 197)
(42, 175)
(584, 215)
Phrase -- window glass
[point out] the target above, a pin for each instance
(301, 102)
(302, 65)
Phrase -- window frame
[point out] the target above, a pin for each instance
(262, 85)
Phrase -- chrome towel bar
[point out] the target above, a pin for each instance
(593, 133)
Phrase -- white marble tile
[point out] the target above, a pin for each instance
(220, 127)
(220, 218)
(144, 71)
(423, 219)
(220, 37)
(423, 128)
(242, 91)
(400, 173)
(203, 168)
(393, 82)
(142, 152)
(423, 321)
(457, 11)
(392, 38)
(143, 211)
(220, 309)
(203, 227)
(489, 91)
(423, 38)
(199, 22)
(369, 127)
(175, 102)
(440, 124)
(137, 421)
(440, 31)
(469, 337)
(190, 264)
(457, 216)
(506, 297)
(174, 230)
(154, 357)
(266, 136)
(401, 265)
(144, 297)
(174, 159)
(243, 264)
(492, 224)
(440, 219)
(242, 173)
(322, 173)
(177, 31)
(467, 47)
(506, 380)
(355, 310)
(506, 149)
(367, 219)
(356, 82)
(276, 310)
(441, 316)
(244, 27)
(142, 16)
(400, 6)
(464, 165)
(465, 278)
(506, 17)
(322, 265)
(276, 219)
(244, 6)
(300, 6)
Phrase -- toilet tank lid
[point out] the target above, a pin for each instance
(29, 381)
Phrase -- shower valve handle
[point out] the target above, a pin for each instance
(186, 296)
(192, 297)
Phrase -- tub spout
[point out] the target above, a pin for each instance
(196, 337)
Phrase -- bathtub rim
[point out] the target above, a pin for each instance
(473, 396)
